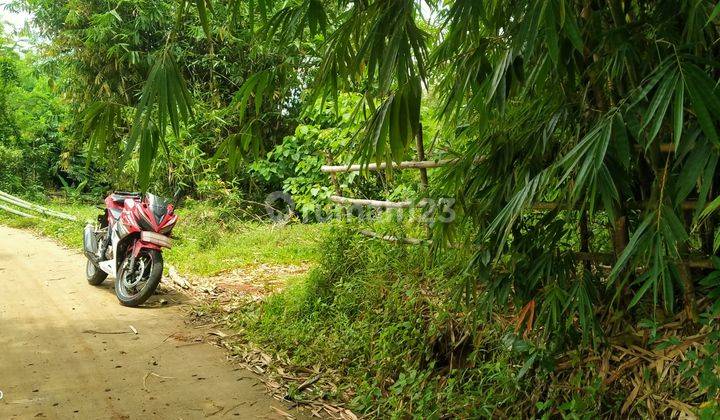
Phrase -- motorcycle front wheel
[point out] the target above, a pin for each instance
(134, 285)
(94, 275)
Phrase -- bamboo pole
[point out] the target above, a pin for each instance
(585, 237)
(425, 164)
(377, 203)
(422, 164)
(421, 157)
(17, 212)
(389, 238)
(696, 262)
(333, 177)
(544, 205)
(424, 183)
(34, 207)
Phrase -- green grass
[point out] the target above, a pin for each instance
(382, 317)
(65, 232)
(206, 244)
(393, 323)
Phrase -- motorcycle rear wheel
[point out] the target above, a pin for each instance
(94, 275)
(132, 291)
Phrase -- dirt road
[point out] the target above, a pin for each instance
(67, 349)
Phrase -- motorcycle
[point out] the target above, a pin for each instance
(127, 244)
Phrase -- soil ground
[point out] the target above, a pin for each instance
(68, 349)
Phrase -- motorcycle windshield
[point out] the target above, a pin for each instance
(157, 205)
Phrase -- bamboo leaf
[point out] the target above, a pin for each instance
(691, 170)
(704, 119)
(647, 283)
(203, 15)
(714, 14)
(679, 112)
(632, 247)
(397, 142)
(573, 33)
(658, 107)
(711, 208)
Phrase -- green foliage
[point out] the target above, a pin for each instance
(570, 103)
(165, 93)
(32, 122)
(209, 242)
(294, 165)
(388, 321)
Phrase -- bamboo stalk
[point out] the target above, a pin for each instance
(335, 181)
(609, 258)
(688, 286)
(376, 203)
(425, 164)
(333, 177)
(34, 207)
(585, 237)
(421, 157)
(395, 239)
(545, 205)
(424, 183)
(662, 148)
(17, 212)
(421, 164)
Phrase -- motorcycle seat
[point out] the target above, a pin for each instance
(121, 196)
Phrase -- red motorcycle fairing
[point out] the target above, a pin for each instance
(115, 203)
(132, 218)
(139, 245)
(128, 222)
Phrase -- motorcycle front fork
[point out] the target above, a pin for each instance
(104, 243)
